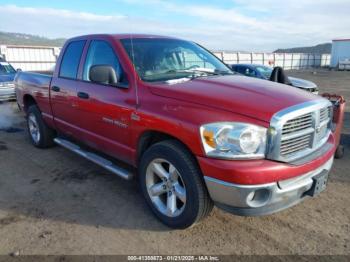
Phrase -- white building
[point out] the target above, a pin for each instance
(30, 58)
(340, 53)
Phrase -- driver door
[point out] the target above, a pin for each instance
(104, 109)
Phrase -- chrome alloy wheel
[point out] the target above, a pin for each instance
(34, 128)
(165, 187)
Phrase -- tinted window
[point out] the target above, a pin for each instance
(241, 69)
(101, 53)
(234, 68)
(265, 71)
(244, 70)
(250, 72)
(71, 59)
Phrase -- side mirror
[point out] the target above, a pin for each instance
(19, 70)
(103, 74)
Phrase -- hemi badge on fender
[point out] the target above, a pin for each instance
(114, 122)
(135, 117)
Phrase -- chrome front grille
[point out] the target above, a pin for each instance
(297, 124)
(296, 134)
(290, 146)
(324, 114)
(299, 130)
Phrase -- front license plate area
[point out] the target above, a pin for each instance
(319, 184)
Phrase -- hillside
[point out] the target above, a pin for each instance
(26, 39)
(317, 49)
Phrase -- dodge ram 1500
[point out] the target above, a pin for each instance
(193, 132)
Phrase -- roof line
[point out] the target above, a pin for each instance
(344, 39)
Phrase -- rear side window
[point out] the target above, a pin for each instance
(71, 59)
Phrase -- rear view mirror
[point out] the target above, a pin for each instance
(103, 74)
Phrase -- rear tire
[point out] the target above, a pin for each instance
(173, 185)
(40, 134)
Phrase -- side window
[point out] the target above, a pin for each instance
(71, 58)
(101, 53)
(234, 68)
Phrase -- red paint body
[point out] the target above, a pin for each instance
(176, 110)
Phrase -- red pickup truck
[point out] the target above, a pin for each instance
(195, 133)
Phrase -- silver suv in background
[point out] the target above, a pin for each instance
(7, 75)
(264, 72)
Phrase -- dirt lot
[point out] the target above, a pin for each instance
(54, 202)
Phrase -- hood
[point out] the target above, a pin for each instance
(255, 98)
(7, 78)
(301, 83)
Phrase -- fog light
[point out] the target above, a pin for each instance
(258, 198)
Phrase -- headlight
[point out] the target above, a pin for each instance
(231, 140)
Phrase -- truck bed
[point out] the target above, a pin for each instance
(37, 85)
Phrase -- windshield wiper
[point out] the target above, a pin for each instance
(194, 72)
(224, 72)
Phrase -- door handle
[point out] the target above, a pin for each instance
(55, 89)
(83, 95)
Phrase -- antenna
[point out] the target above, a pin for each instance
(135, 75)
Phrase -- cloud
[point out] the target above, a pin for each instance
(265, 24)
(248, 25)
(56, 13)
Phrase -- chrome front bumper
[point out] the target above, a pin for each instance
(7, 93)
(255, 200)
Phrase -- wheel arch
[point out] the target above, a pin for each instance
(151, 137)
(28, 100)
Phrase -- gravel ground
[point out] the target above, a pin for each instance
(54, 202)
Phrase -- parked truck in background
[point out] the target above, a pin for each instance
(193, 132)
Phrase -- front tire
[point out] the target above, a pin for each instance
(40, 134)
(172, 185)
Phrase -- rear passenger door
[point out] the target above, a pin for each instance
(63, 89)
(104, 109)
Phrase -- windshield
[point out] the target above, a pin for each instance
(6, 68)
(265, 71)
(157, 59)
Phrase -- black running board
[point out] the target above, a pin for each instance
(103, 162)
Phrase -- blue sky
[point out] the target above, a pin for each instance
(241, 25)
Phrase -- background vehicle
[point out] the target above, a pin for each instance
(7, 87)
(196, 133)
(264, 72)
